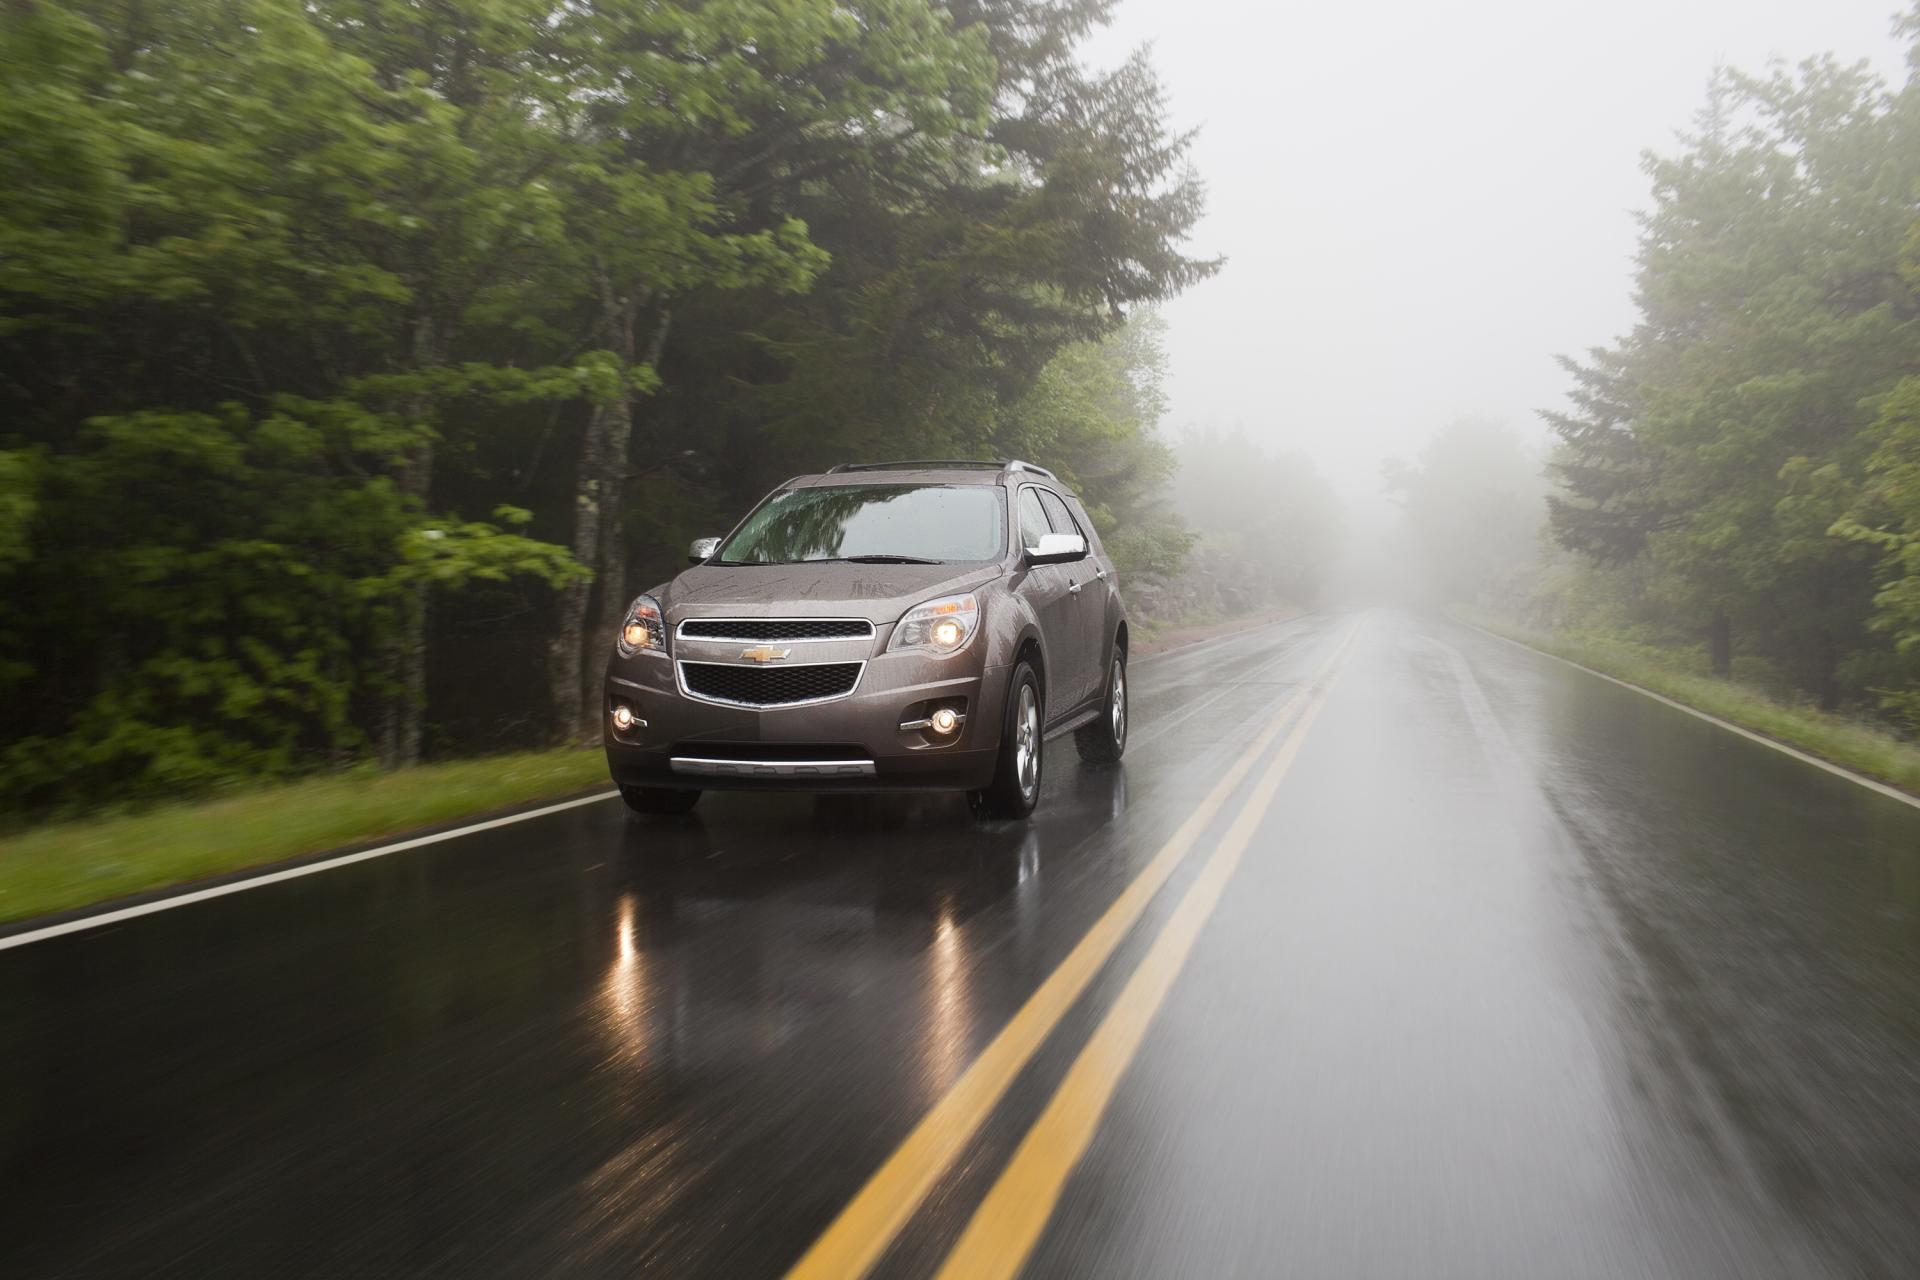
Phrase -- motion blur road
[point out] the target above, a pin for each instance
(1461, 963)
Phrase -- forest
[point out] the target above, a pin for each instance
(362, 358)
(1739, 475)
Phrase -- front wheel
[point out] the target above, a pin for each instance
(1015, 788)
(1103, 739)
(659, 799)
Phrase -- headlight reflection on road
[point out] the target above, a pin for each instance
(950, 1001)
(625, 997)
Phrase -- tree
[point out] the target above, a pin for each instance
(694, 124)
(1473, 506)
(1093, 413)
(1726, 436)
(960, 265)
(325, 326)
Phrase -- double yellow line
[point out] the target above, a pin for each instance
(1003, 1230)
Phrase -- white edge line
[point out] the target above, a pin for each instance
(286, 873)
(1872, 784)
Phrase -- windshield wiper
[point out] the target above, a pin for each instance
(889, 560)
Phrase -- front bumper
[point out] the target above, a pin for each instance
(851, 743)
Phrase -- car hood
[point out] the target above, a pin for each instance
(879, 593)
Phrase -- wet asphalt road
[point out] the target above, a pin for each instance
(1521, 974)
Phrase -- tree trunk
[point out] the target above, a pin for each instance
(413, 634)
(610, 572)
(578, 651)
(564, 672)
(405, 662)
(1720, 643)
(609, 561)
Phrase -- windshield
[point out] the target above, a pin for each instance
(886, 523)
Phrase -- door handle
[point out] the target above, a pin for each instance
(1100, 574)
(1073, 588)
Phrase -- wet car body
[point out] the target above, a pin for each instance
(780, 675)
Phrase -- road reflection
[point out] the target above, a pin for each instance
(625, 997)
(731, 932)
(949, 1010)
(745, 951)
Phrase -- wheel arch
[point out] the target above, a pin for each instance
(1030, 650)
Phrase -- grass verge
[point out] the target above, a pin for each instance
(72, 864)
(1836, 738)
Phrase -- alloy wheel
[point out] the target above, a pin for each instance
(1026, 742)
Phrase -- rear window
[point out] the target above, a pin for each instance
(879, 522)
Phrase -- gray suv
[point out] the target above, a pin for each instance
(886, 626)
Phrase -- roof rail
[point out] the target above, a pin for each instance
(916, 464)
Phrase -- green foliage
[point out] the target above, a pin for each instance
(1887, 516)
(317, 318)
(19, 504)
(1092, 413)
(215, 581)
(1744, 442)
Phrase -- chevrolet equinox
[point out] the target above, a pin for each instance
(888, 626)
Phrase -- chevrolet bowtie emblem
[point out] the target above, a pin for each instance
(764, 653)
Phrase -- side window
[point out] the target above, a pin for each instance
(1033, 518)
(1057, 512)
(1085, 521)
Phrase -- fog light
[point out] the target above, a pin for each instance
(945, 720)
(622, 716)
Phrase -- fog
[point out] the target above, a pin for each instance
(1420, 205)
(544, 730)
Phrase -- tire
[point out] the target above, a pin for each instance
(1104, 740)
(1015, 788)
(659, 799)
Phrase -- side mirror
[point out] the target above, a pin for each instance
(701, 550)
(1058, 548)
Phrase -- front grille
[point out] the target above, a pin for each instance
(776, 629)
(776, 686)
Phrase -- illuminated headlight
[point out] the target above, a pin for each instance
(940, 626)
(642, 628)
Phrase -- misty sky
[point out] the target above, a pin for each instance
(1422, 203)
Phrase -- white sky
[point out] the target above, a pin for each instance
(1422, 203)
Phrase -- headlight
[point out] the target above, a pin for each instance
(642, 628)
(940, 626)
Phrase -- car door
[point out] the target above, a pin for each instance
(1106, 581)
(1083, 670)
(1045, 588)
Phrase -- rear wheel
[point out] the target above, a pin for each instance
(1015, 788)
(659, 799)
(1103, 739)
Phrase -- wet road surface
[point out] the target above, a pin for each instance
(1446, 960)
